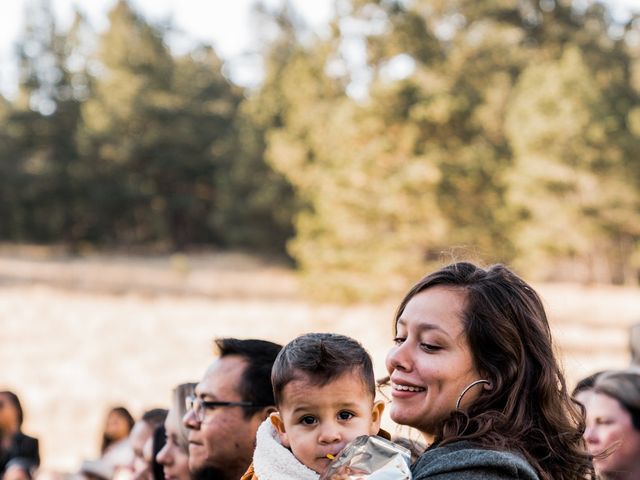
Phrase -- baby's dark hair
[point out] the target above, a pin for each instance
(321, 358)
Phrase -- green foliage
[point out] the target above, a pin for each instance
(513, 136)
(508, 142)
(118, 141)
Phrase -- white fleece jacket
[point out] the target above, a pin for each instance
(273, 461)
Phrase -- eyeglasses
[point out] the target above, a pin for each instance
(200, 406)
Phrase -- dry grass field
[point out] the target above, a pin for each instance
(78, 335)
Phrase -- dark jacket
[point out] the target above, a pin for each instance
(22, 446)
(466, 460)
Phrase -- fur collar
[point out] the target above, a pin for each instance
(273, 461)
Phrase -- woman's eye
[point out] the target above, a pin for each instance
(308, 420)
(429, 347)
(399, 340)
(603, 421)
(345, 415)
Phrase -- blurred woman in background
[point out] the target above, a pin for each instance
(174, 456)
(613, 425)
(116, 450)
(14, 443)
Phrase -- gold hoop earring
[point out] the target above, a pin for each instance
(467, 388)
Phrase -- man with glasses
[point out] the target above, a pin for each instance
(233, 398)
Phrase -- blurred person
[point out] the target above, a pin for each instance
(19, 469)
(95, 470)
(116, 449)
(613, 425)
(14, 443)
(151, 450)
(174, 456)
(584, 388)
(141, 434)
(233, 398)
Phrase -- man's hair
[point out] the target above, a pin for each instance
(320, 358)
(255, 382)
(154, 417)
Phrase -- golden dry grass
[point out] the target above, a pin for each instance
(80, 335)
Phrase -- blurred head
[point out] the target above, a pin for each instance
(584, 388)
(141, 433)
(461, 324)
(174, 455)
(117, 427)
(222, 438)
(11, 415)
(324, 389)
(613, 425)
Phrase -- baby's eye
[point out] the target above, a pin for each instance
(345, 415)
(399, 340)
(308, 420)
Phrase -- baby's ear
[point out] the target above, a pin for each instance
(278, 424)
(376, 416)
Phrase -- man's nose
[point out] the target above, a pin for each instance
(190, 420)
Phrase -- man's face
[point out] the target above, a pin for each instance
(225, 439)
(139, 435)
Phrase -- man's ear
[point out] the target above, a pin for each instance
(278, 424)
(376, 416)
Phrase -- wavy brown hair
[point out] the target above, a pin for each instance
(528, 410)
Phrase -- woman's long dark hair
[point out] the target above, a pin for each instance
(528, 409)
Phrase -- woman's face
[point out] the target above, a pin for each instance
(431, 362)
(173, 457)
(609, 428)
(8, 414)
(117, 426)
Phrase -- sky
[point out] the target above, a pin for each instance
(224, 23)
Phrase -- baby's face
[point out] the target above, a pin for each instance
(316, 421)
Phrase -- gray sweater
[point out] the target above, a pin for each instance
(464, 460)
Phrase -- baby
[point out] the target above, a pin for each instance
(324, 389)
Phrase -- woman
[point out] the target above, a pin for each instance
(116, 451)
(613, 425)
(174, 456)
(473, 369)
(14, 443)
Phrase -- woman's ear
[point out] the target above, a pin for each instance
(376, 416)
(278, 424)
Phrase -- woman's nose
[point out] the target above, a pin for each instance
(398, 358)
(590, 435)
(163, 457)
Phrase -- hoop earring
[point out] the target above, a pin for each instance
(467, 388)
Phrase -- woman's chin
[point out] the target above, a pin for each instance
(403, 416)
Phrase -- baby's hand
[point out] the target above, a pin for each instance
(341, 474)
(345, 473)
